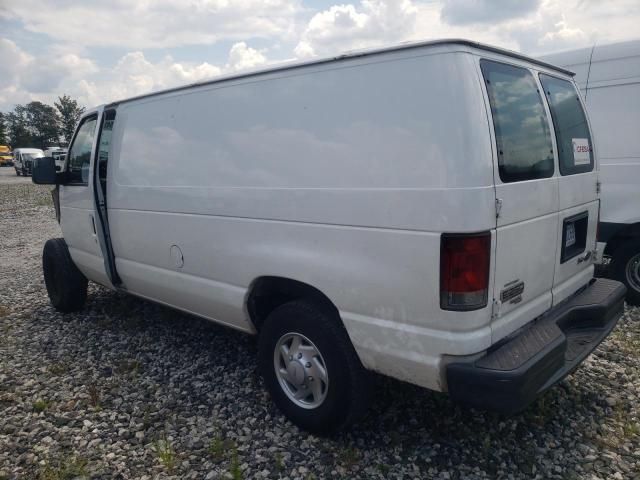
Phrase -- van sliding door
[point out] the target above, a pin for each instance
(100, 190)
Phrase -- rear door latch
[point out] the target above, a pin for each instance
(498, 207)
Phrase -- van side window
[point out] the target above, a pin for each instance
(575, 149)
(80, 153)
(523, 137)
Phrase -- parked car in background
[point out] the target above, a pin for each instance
(59, 154)
(6, 157)
(23, 159)
(418, 211)
(609, 78)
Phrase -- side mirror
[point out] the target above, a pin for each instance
(44, 171)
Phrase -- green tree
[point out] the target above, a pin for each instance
(3, 131)
(70, 113)
(43, 123)
(16, 121)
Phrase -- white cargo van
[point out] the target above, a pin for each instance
(416, 211)
(609, 77)
(23, 159)
(58, 154)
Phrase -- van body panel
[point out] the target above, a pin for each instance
(268, 193)
(383, 296)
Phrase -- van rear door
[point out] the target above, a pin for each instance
(577, 183)
(527, 194)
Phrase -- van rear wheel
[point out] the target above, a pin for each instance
(311, 369)
(625, 267)
(66, 285)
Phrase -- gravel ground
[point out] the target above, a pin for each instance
(128, 389)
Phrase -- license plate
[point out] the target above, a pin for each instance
(570, 235)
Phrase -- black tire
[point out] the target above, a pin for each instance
(620, 262)
(349, 385)
(17, 172)
(66, 285)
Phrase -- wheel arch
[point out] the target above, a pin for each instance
(266, 293)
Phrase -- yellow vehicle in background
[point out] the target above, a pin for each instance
(6, 157)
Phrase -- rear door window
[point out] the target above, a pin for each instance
(523, 137)
(575, 150)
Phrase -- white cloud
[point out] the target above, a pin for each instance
(29, 78)
(463, 12)
(24, 77)
(345, 27)
(563, 36)
(242, 57)
(13, 61)
(139, 24)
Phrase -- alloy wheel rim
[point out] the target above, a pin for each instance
(301, 370)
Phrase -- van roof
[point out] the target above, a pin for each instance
(27, 150)
(352, 54)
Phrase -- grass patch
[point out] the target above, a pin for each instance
(58, 368)
(64, 469)
(41, 405)
(44, 201)
(631, 430)
(384, 469)
(94, 396)
(234, 468)
(542, 411)
(220, 447)
(279, 462)
(126, 367)
(348, 457)
(166, 454)
(629, 426)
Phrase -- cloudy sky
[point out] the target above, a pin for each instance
(100, 51)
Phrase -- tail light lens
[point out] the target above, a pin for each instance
(464, 271)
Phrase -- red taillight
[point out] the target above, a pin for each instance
(464, 271)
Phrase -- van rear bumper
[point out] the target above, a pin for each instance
(518, 369)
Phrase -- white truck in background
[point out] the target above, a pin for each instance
(609, 79)
(59, 154)
(23, 159)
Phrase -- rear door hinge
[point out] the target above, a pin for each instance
(498, 207)
(598, 184)
(495, 309)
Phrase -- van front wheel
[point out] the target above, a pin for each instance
(66, 285)
(625, 267)
(311, 369)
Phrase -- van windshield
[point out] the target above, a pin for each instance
(575, 150)
(523, 138)
(31, 156)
